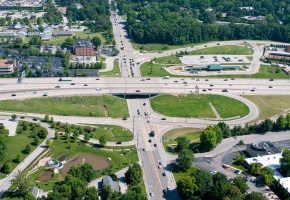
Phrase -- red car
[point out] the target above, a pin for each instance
(155, 145)
(147, 79)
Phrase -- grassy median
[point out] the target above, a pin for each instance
(90, 106)
(198, 106)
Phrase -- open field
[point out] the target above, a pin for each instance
(153, 47)
(270, 105)
(198, 106)
(16, 144)
(190, 134)
(114, 72)
(227, 50)
(58, 40)
(91, 106)
(112, 133)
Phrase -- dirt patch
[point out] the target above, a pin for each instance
(95, 161)
(45, 176)
(63, 157)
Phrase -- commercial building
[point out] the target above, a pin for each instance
(212, 67)
(267, 155)
(7, 66)
(21, 4)
(83, 47)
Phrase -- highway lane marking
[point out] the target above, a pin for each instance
(150, 154)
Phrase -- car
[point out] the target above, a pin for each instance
(182, 79)
(124, 118)
(224, 90)
(270, 86)
(271, 79)
(151, 194)
(159, 166)
(72, 83)
(197, 79)
(185, 85)
(148, 121)
(13, 95)
(206, 79)
(211, 85)
(45, 95)
(119, 142)
(149, 140)
(238, 172)
(164, 191)
(148, 79)
(34, 92)
(201, 57)
(144, 149)
(252, 90)
(230, 85)
(57, 86)
(175, 81)
(143, 79)
(232, 79)
(144, 104)
(155, 145)
(22, 117)
(159, 163)
(137, 90)
(226, 80)
(163, 118)
(184, 82)
(205, 45)
(168, 188)
(204, 90)
(34, 119)
(85, 84)
(98, 88)
(218, 44)
(152, 134)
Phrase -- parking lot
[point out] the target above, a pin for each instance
(213, 59)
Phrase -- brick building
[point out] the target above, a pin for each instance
(83, 47)
(7, 66)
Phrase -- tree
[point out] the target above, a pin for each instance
(48, 142)
(107, 192)
(185, 158)
(208, 140)
(187, 187)
(97, 41)
(233, 193)
(36, 140)
(27, 149)
(68, 41)
(87, 137)
(225, 129)
(241, 183)
(87, 171)
(285, 162)
(42, 134)
(281, 123)
(46, 118)
(255, 196)
(91, 193)
(29, 196)
(182, 143)
(18, 40)
(14, 117)
(134, 193)
(267, 175)
(203, 181)
(39, 21)
(7, 168)
(267, 125)
(255, 168)
(240, 159)
(103, 140)
(220, 187)
(288, 121)
(133, 175)
(56, 135)
(22, 181)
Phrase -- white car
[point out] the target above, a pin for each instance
(151, 194)
(99, 89)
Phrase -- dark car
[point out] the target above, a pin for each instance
(119, 142)
(57, 86)
(270, 86)
(211, 85)
(163, 118)
(204, 90)
(144, 104)
(164, 191)
(22, 117)
(163, 174)
(72, 83)
(34, 119)
(124, 118)
(152, 134)
(13, 95)
(224, 90)
(137, 90)
(85, 84)
(149, 140)
(271, 79)
(155, 145)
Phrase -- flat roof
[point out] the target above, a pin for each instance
(83, 43)
(5, 63)
(262, 148)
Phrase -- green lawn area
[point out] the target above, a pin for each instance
(101, 58)
(270, 105)
(16, 144)
(152, 47)
(118, 161)
(179, 174)
(169, 137)
(92, 106)
(227, 49)
(112, 133)
(198, 106)
(114, 72)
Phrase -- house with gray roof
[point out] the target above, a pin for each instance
(35, 191)
(46, 36)
(31, 34)
(107, 180)
(44, 25)
(47, 30)
(62, 33)
(17, 26)
(7, 34)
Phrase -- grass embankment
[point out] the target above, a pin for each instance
(112, 133)
(16, 144)
(180, 174)
(91, 106)
(198, 106)
(270, 105)
(153, 47)
(114, 72)
(191, 134)
(227, 49)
